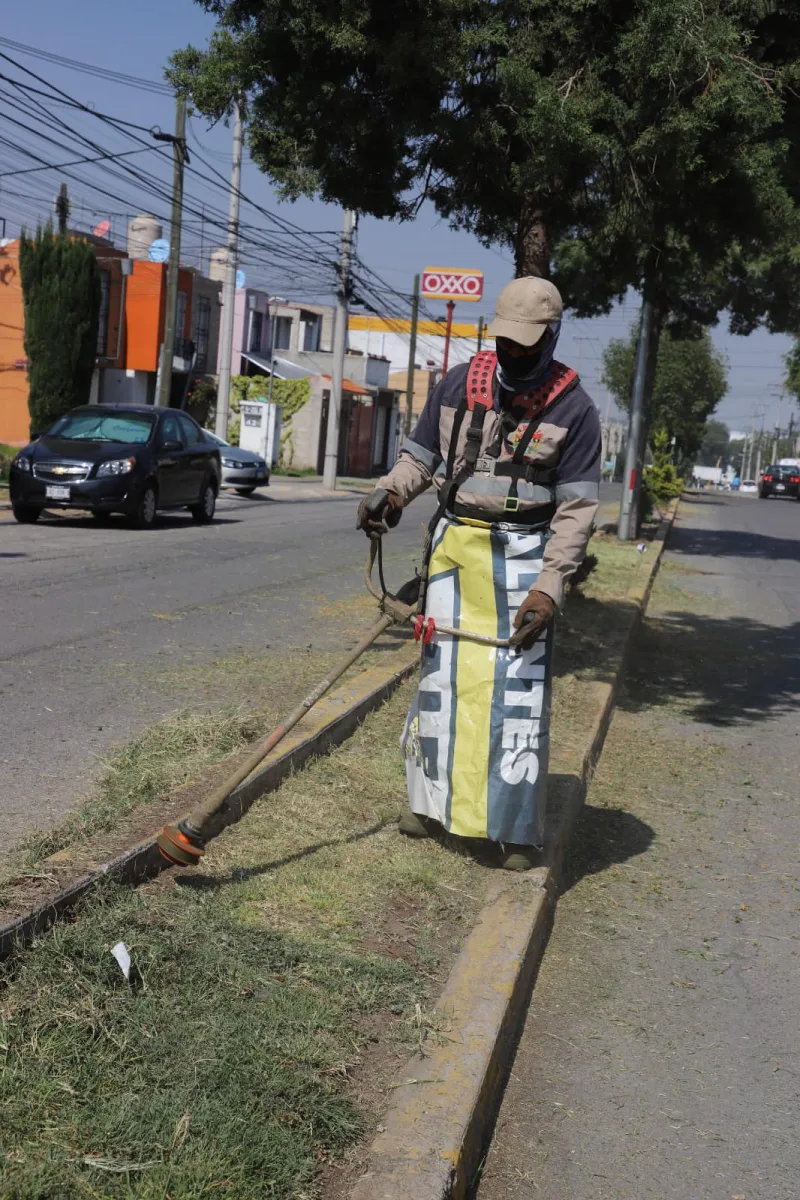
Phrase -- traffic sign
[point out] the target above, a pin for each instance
(241, 279)
(451, 283)
(159, 250)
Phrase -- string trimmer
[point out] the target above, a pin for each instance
(184, 843)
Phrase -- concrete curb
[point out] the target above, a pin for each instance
(327, 725)
(444, 1105)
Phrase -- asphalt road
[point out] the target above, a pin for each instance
(661, 1054)
(90, 616)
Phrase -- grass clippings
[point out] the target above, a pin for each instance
(259, 984)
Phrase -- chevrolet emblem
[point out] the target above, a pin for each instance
(60, 471)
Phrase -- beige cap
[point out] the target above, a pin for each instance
(525, 308)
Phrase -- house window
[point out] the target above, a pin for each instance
(312, 329)
(283, 333)
(202, 332)
(102, 323)
(180, 325)
(256, 332)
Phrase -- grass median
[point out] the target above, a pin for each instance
(274, 992)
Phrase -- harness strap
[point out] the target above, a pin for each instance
(527, 471)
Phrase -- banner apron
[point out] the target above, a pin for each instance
(476, 741)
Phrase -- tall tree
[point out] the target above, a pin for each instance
(621, 143)
(61, 297)
(715, 444)
(792, 380)
(690, 381)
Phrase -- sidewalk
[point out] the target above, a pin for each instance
(661, 1056)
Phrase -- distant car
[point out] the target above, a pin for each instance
(130, 459)
(780, 481)
(748, 485)
(241, 469)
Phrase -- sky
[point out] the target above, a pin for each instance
(137, 40)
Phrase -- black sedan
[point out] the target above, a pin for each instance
(780, 480)
(123, 458)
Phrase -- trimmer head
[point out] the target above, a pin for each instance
(181, 844)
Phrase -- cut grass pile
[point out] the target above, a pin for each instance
(189, 741)
(222, 1069)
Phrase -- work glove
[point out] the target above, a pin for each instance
(534, 615)
(379, 512)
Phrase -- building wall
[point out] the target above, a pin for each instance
(125, 387)
(358, 367)
(14, 417)
(424, 382)
(145, 309)
(304, 430)
(14, 387)
(389, 337)
(211, 290)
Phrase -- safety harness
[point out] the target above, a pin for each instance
(478, 401)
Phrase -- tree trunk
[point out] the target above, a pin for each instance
(532, 246)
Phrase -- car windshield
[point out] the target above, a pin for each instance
(125, 428)
(212, 437)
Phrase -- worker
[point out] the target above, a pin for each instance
(512, 442)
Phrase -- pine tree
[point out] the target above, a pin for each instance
(61, 296)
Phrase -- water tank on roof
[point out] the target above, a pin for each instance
(142, 232)
(218, 265)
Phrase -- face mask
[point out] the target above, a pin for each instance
(526, 371)
(519, 366)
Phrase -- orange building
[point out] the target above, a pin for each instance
(129, 339)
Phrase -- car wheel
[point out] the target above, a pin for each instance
(203, 511)
(145, 515)
(248, 491)
(25, 514)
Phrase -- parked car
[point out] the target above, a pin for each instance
(124, 458)
(748, 485)
(241, 469)
(780, 481)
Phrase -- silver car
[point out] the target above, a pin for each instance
(241, 469)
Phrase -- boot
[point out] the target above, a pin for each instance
(413, 826)
(518, 858)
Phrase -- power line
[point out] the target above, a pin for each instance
(149, 85)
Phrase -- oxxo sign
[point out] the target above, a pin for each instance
(451, 283)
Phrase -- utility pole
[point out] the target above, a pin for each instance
(628, 511)
(62, 209)
(480, 333)
(748, 447)
(229, 287)
(179, 157)
(777, 428)
(339, 348)
(412, 354)
(450, 307)
(758, 456)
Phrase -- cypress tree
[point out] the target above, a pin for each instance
(61, 296)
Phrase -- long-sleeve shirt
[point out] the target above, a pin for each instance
(567, 440)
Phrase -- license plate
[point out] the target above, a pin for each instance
(780, 487)
(54, 492)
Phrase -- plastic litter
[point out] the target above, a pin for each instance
(121, 954)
